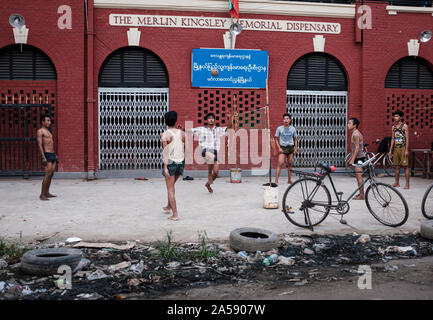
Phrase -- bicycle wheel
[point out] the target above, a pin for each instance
(386, 204)
(306, 199)
(388, 166)
(427, 203)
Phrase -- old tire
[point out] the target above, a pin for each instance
(427, 230)
(47, 261)
(253, 239)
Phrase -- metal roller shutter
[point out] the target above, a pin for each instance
(28, 63)
(317, 71)
(409, 73)
(133, 67)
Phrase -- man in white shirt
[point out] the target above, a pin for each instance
(209, 142)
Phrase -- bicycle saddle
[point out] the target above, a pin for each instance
(327, 167)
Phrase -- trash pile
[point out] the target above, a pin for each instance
(113, 271)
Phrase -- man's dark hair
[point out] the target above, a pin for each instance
(210, 114)
(287, 115)
(44, 116)
(398, 112)
(355, 121)
(170, 118)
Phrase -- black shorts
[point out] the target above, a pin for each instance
(213, 151)
(51, 157)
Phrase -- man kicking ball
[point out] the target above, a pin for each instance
(209, 143)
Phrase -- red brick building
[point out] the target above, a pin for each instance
(110, 69)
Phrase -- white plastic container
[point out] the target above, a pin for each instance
(270, 197)
(236, 175)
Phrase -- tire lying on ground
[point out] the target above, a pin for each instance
(253, 239)
(427, 230)
(47, 261)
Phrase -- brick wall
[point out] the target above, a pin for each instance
(366, 64)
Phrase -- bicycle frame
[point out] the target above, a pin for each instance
(369, 164)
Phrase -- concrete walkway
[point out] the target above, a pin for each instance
(126, 209)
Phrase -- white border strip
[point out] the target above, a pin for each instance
(262, 7)
(393, 10)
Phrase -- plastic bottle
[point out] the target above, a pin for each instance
(270, 260)
(243, 254)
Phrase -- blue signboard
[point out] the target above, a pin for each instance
(229, 68)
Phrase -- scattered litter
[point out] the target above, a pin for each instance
(297, 241)
(308, 251)
(397, 249)
(286, 293)
(287, 261)
(173, 265)
(364, 238)
(73, 240)
(133, 282)
(242, 254)
(301, 283)
(270, 260)
(138, 268)
(119, 266)
(83, 264)
(14, 289)
(90, 296)
(319, 247)
(128, 246)
(392, 268)
(98, 274)
(3, 264)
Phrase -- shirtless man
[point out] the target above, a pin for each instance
(358, 153)
(49, 158)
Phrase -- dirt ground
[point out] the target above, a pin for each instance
(412, 281)
(322, 267)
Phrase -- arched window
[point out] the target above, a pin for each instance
(317, 71)
(133, 67)
(410, 73)
(25, 63)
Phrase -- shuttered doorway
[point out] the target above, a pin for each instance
(317, 101)
(133, 97)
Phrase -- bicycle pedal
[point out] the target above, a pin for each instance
(289, 210)
(342, 221)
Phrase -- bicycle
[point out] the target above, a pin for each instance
(427, 203)
(383, 162)
(307, 202)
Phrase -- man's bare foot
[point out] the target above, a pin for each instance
(207, 185)
(359, 197)
(396, 185)
(289, 182)
(173, 218)
(166, 209)
(44, 198)
(49, 195)
(406, 187)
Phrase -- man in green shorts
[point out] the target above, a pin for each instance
(400, 148)
(173, 154)
(287, 146)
